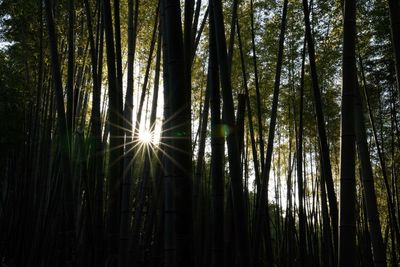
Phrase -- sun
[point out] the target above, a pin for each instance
(145, 137)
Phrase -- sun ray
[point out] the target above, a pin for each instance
(155, 152)
(165, 130)
(121, 116)
(172, 160)
(151, 142)
(136, 153)
(175, 148)
(125, 153)
(120, 127)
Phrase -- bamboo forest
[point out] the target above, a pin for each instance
(199, 133)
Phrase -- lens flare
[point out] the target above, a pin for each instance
(146, 137)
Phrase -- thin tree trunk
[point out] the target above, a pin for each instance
(115, 146)
(323, 143)
(217, 149)
(149, 155)
(379, 255)
(99, 191)
(200, 154)
(262, 215)
(391, 209)
(394, 10)
(118, 49)
(256, 80)
(69, 220)
(188, 44)
(300, 185)
(249, 112)
(135, 150)
(96, 161)
(133, 11)
(147, 173)
(70, 76)
(146, 80)
(241, 109)
(200, 31)
(195, 24)
(232, 33)
(56, 70)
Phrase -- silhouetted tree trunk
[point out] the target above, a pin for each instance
(201, 150)
(300, 184)
(323, 143)
(133, 11)
(249, 111)
(232, 33)
(256, 80)
(99, 190)
(241, 109)
(394, 10)
(347, 223)
(145, 149)
(390, 204)
(217, 152)
(195, 24)
(115, 146)
(374, 225)
(58, 88)
(96, 160)
(262, 215)
(68, 222)
(232, 141)
(118, 49)
(179, 118)
(187, 42)
(70, 78)
(149, 172)
(392, 218)
(196, 39)
(128, 153)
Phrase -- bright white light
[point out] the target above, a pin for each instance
(145, 137)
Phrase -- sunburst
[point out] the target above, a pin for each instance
(145, 137)
(150, 142)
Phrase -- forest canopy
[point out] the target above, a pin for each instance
(199, 133)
